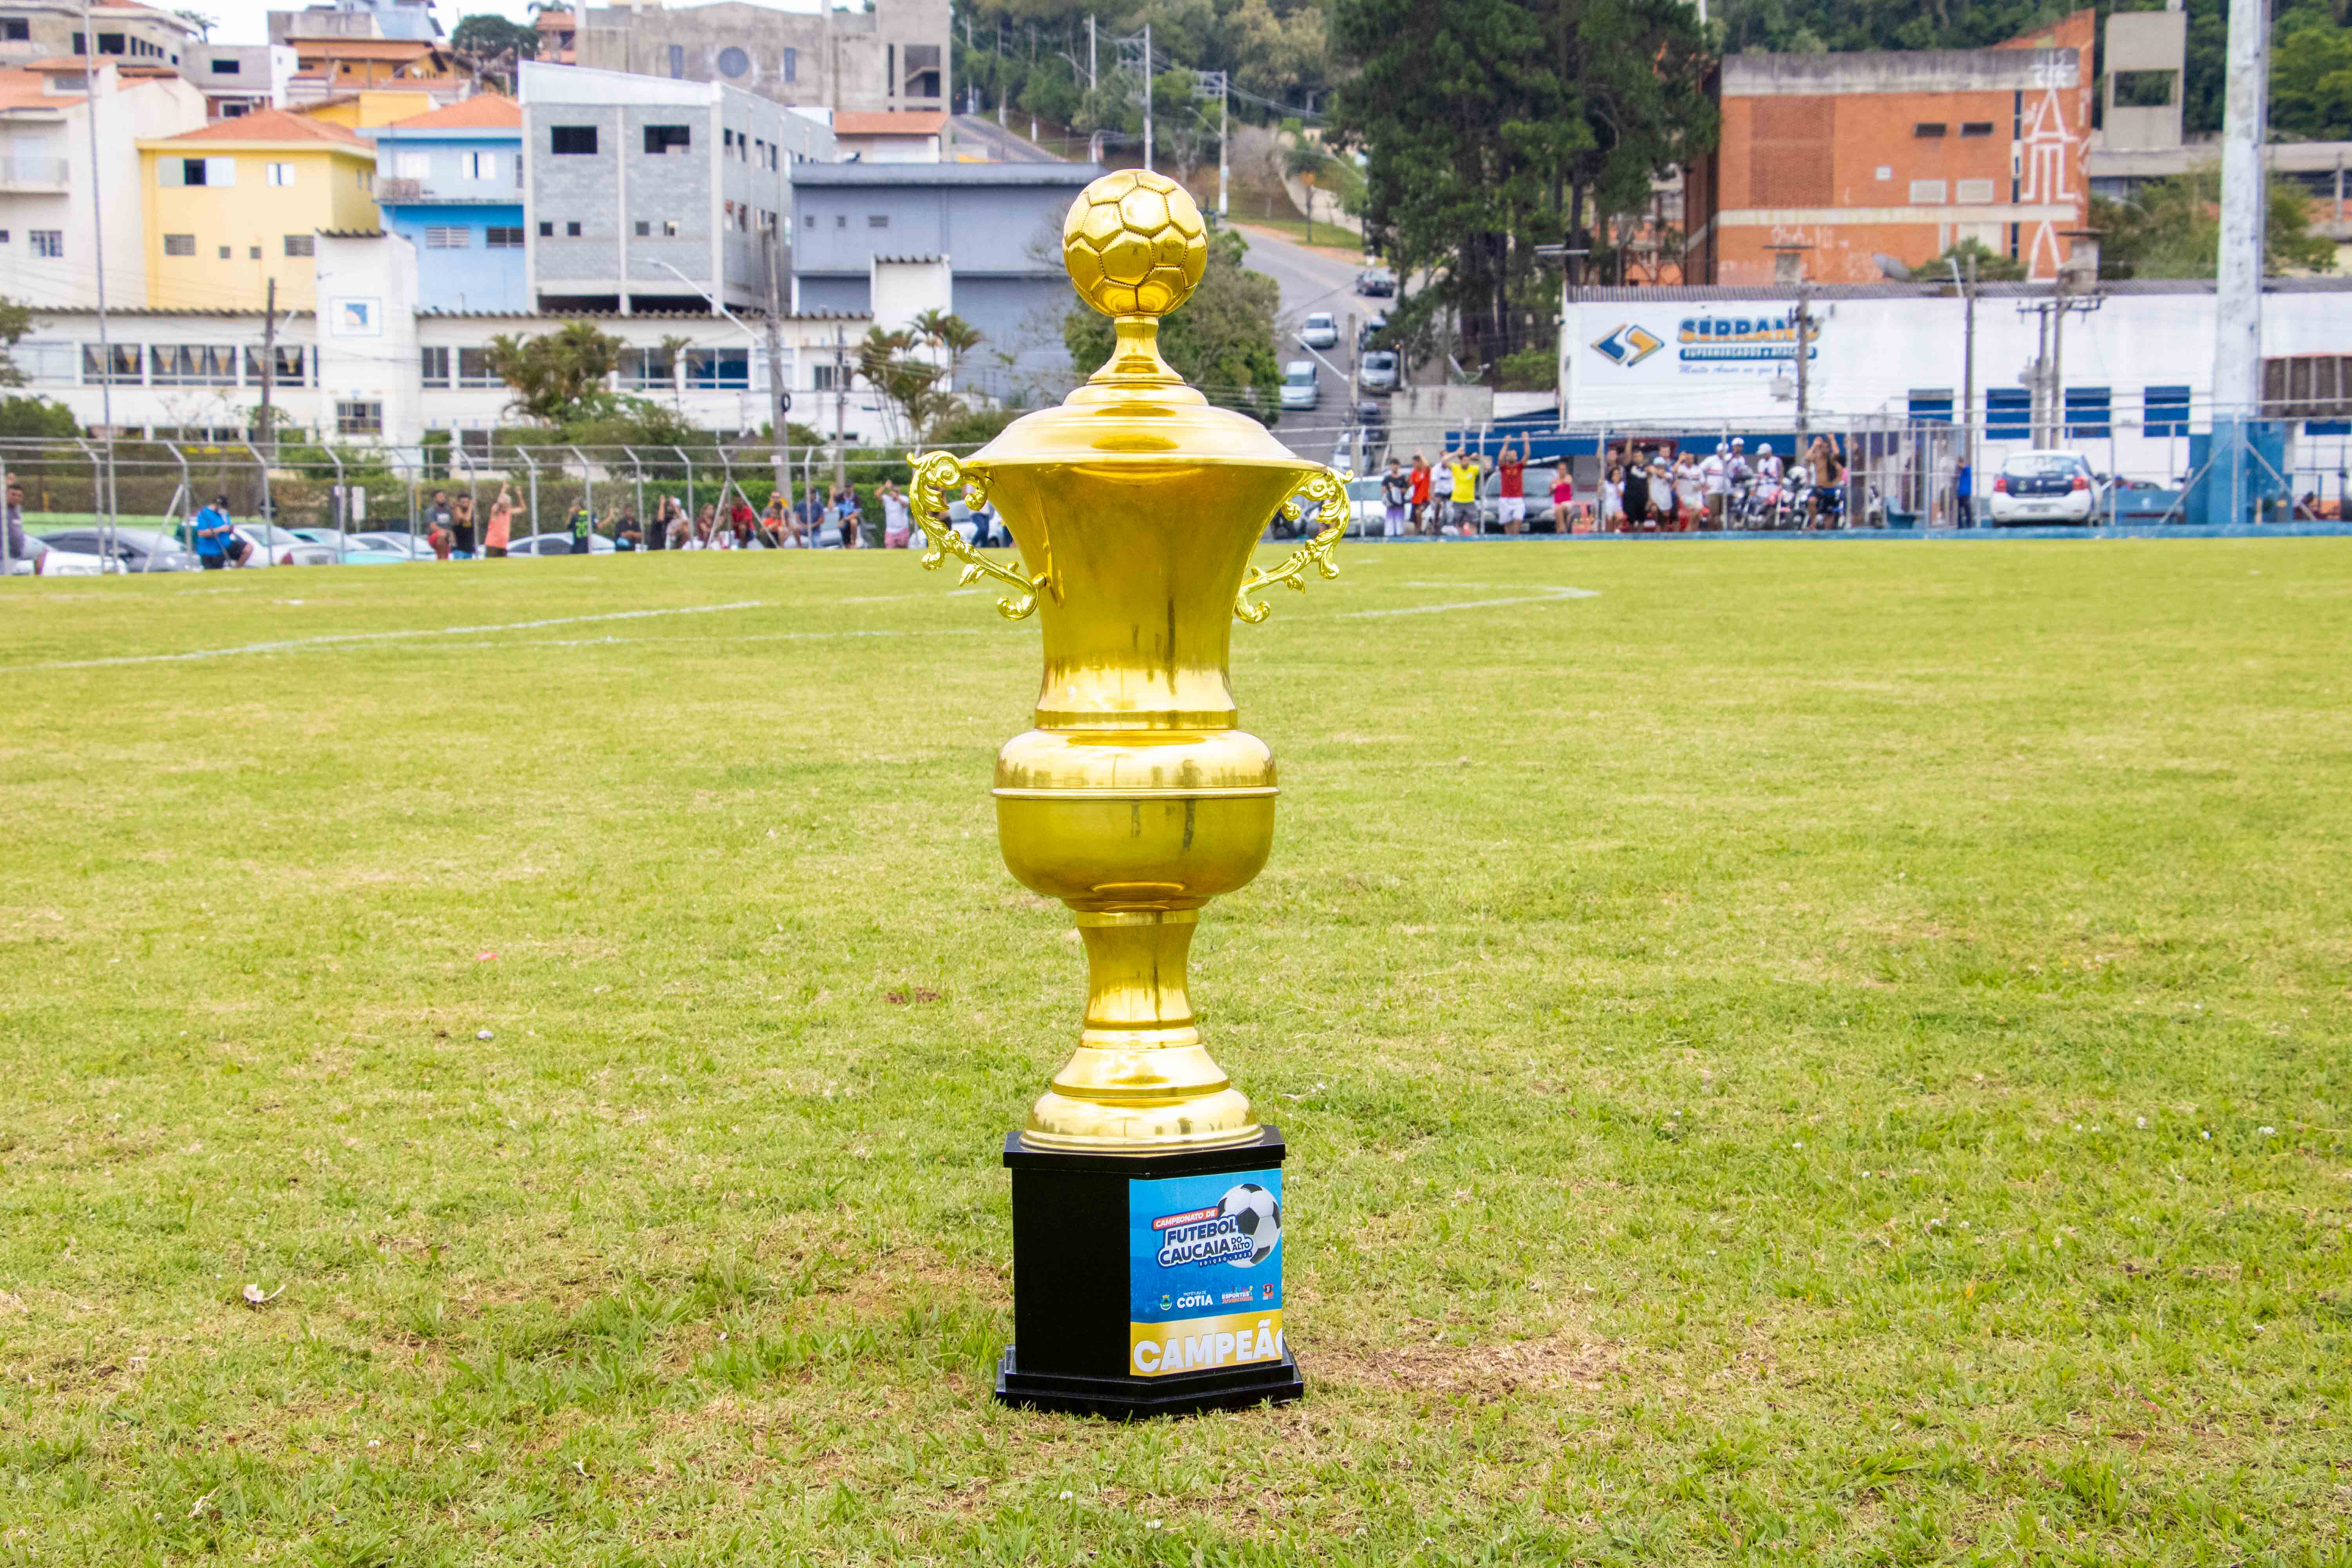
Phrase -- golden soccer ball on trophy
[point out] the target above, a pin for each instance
(1134, 244)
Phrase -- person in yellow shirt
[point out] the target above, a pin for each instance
(1462, 470)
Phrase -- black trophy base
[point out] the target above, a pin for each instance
(1134, 1398)
(1071, 1346)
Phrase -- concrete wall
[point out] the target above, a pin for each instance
(837, 59)
(141, 111)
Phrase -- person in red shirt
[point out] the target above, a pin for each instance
(1511, 494)
(1563, 499)
(1420, 493)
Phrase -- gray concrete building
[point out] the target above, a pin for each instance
(646, 194)
(894, 56)
(991, 233)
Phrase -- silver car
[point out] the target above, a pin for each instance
(1301, 387)
(1378, 370)
(276, 546)
(1321, 331)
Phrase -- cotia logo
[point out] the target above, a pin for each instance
(1629, 344)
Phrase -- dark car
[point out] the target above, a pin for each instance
(1371, 415)
(139, 549)
(1375, 284)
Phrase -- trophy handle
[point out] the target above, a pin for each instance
(1327, 488)
(938, 477)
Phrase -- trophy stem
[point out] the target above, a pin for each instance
(1140, 1081)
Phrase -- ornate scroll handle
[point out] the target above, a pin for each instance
(938, 477)
(1327, 489)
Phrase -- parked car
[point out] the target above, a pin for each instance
(138, 549)
(1373, 326)
(1375, 284)
(1321, 331)
(1367, 516)
(1535, 481)
(1372, 417)
(351, 550)
(276, 546)
(1378, 370)
(558, 545)
(403, 546)
(42, 559)
(2045, 485)
(1301, 388)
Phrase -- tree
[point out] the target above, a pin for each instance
(2311, 77)
(1992, 266)
(946, 329)
(1493, 125)
(909, 387)
(1221, 340)
(555, 375)
(36, 418)
(2172, 228)
(16, 321)
(490, 41)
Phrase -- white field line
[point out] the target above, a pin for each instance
(1548, 596)
(293, 644)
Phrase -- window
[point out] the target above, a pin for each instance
(878, 220)
(358, 418)
(733, 61)
(791, 65)
(301, 245)
(447, 237)
(228, 68)
(2087, 412)
(645, 369)
(116, 364)
(922, 70)
(661, 139)
(49, 243)
(196, 171)
(824, 379)
(2165, 411)
(15, 30)
(413, 165)
(192, 365)
(366, 179)
(1927, 192)
(253, 253)
(179, 245)
(288, 360)
(547, 231)
(677, 61)
(1928, 130)
(643, 228)
(436, 366)
(496, 237)
(223, 253)
(474, 369)
(811, 220)
(1972, 192)
(1976, 127)
(479, 165)
(2008, 413)
(571, 229)
(841, 220)
(572, 140)
(1934, 403)
(279, 174)
(717, 368)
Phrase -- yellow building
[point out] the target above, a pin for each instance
(241, 202)
(373, 107)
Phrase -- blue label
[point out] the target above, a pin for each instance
(1204, 1270)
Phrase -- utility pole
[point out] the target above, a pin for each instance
(2058, 355)
(1146, 97)
(1804, 354)
(840, 406)
(2238, 288)
(1092, 81)
(268, 387)
(98, 262)
(1969, 363)
(780, 400)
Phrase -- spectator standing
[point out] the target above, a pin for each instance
(500, 530)
(1964, 485)
(19, 547)
(897, 517)
(437, 535)
(1827, 472)
(1461, 473)
(1396, 500)
(583, 525)
(438, 514)
(1612, 498)
(1715, 481)
(1690, 493)
(1637, 491)
(1420, 498)
(215, 535)
(1511, 491)
(461, 528)
(1563, 498)
(626, 535)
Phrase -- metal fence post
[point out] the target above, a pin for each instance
(524, 453)
(689, 491)
(343, 503)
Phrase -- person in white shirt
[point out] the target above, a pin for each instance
(1768, 467)
(1715, 478)
(1690, 493)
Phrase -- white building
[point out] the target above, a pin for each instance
(371, 368)
(51, 193)
(2133, 365)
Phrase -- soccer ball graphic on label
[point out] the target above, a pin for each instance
(1256, 1215)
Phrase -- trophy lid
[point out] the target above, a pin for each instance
(1135, 245)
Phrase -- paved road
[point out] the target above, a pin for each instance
(1314, 280)
(983, 136)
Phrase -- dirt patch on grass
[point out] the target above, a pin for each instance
(1521, 1365)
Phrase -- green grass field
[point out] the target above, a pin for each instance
(1822, 1051)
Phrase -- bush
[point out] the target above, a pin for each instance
(1529, 370)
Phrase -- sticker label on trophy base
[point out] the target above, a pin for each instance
(1205, 1272)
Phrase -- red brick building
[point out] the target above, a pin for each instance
(1896, 154)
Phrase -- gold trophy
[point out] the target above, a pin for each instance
(1147, 1212)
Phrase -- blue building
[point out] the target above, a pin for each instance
(450, 182)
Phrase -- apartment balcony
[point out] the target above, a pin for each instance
(32, 176)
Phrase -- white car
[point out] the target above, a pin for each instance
(1321, 331)
(42, 559)
(415, 549)
(275, 546)
(1378, 370)
(544, 544)
(2045, 485)
(1301, 387)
